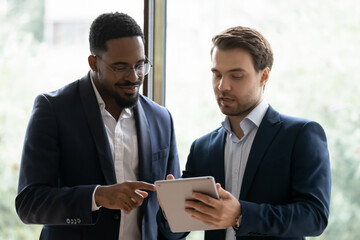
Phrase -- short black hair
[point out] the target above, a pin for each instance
(109, 26)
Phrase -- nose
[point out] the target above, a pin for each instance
(224, 84)
(132, 76)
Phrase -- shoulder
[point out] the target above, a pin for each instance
(64, 97)
(65, 93)
(298, 122)
(214, 137)
(152, 108)
(292, 124)
(288, 121)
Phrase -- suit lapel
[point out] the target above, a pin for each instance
(216, 146)
(96, 125)
(144, 150)
(144, 144)
(268, 129)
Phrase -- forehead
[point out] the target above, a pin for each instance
(226, 60)
(125, 48)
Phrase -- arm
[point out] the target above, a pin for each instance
(173, 171)
(56, 183)
(302, 210)
(40, 200)
(307, 210)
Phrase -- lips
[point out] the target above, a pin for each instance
(130, 89)
(226, 100)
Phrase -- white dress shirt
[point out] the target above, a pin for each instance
(237, 152)
(124, 148)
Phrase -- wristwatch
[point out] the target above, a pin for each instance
(237, 222)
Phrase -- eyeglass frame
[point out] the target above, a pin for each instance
(125, 71)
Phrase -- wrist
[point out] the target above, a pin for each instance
(238, 219)
(237, 222)
(98, 195)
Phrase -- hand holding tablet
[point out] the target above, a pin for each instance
(173, 194)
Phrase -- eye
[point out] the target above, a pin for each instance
(216, 76)
(140, 67)
(120, 69)
(237, 76)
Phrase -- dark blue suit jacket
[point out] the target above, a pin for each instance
(66, 154)
(285, 192)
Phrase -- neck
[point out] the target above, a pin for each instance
(113, 109)
(235, 126)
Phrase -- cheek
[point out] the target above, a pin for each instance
(107, 79)
(216, 89)
(215, 85)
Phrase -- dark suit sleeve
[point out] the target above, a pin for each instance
(173, 167)
(307, 211)
(173, 161)
(40, 199)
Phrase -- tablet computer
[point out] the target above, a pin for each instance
(173, 193)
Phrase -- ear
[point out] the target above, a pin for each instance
(265, 76)
(92, 62)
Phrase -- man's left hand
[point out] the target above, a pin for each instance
(220, 213)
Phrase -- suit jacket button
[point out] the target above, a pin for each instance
(116, 217)
(78, 220)
(68, 221)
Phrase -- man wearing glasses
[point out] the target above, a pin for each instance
(94, 147)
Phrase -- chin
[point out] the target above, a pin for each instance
(226, 111)
(128, 102)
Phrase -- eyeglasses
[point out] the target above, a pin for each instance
(140, 69)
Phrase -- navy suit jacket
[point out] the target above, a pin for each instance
(66, 154)
(285, 192)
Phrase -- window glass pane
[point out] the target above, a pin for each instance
(315, 76)
(43, 46)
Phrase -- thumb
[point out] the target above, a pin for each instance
(222, 192)
(170, 177)
(142, 193)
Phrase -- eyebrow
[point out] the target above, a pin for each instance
(126, 63)
(231, 70)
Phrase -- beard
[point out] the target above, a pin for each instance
(239, 110)
(126, 102)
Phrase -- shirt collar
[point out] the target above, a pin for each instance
(258, 113)
(97, 94)
(253, 119)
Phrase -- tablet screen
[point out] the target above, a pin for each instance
(173, 193)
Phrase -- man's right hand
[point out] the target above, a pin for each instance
(125, 196)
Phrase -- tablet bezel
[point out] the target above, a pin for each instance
(173, 193)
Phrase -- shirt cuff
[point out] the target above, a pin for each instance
(94, 207)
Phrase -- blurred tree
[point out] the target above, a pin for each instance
(21, 32)
(314, 76)
(27, 16)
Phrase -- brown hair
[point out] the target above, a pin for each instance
(248, 39)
